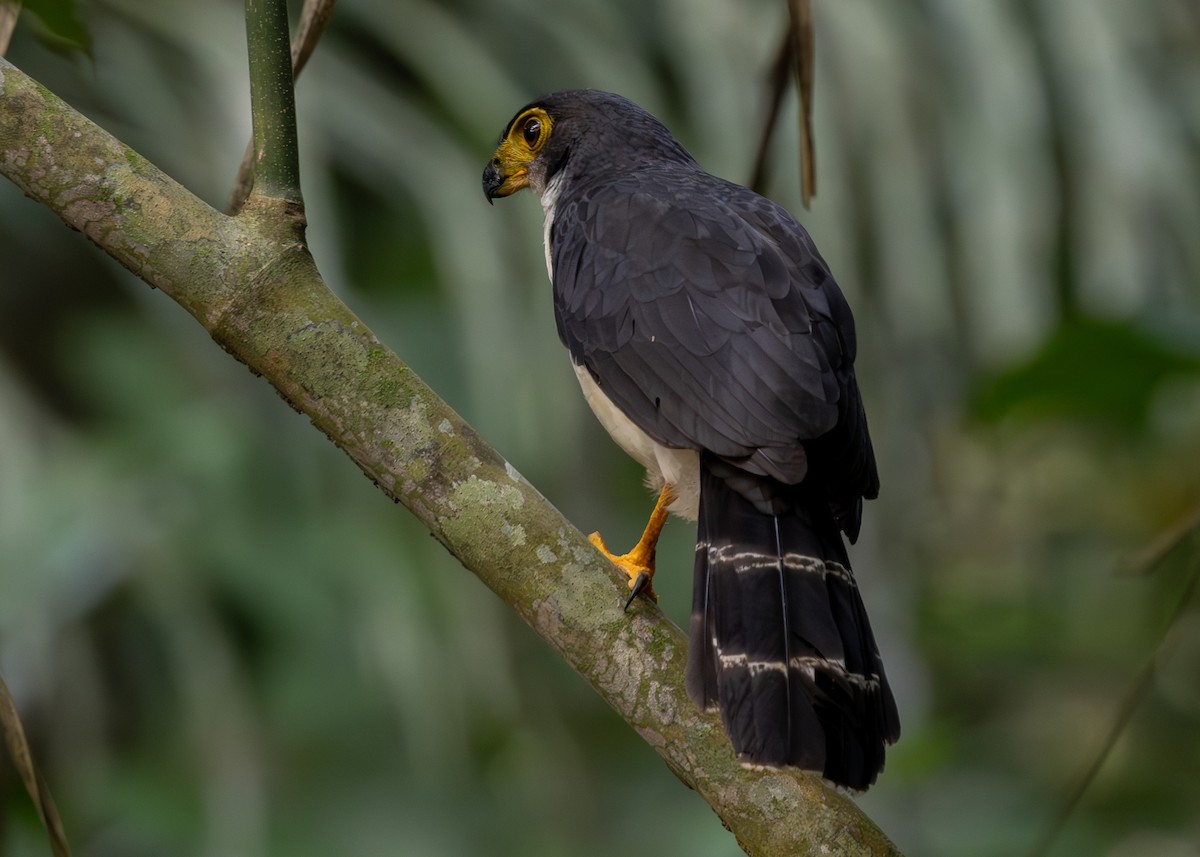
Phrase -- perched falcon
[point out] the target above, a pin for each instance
(713, 344)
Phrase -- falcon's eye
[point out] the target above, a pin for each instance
(531, 131)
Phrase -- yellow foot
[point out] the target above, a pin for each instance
(638, 565)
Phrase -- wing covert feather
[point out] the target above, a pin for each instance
(706, 314)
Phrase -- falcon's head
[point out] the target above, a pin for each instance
(581, 134)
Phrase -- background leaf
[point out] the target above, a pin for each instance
(60, 26)
(1089, 370)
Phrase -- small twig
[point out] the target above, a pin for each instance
(314, 18)
(9, 11)
(793, 59)
(780, 74)
(1125, 712)
(1145, 560)
(803, 49)
(22, 756)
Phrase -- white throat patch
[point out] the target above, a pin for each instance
(549, 198)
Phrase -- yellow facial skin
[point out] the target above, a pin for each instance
(509, 168)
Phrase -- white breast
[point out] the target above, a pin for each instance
(664, 466)
(679, 468)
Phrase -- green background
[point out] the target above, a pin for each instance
(225, 641)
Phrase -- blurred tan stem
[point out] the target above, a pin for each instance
(10, 10)
(781, 72)
(22, 758)
(793, 60)
(803, 54)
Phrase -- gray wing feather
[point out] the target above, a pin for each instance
(706, 314)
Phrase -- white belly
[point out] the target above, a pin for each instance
(679, 468)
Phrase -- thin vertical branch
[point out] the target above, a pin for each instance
(272, 102)
(314, 18)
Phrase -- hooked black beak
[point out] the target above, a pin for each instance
(502, 179)
(491, 181)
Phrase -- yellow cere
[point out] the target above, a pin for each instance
(526, 137)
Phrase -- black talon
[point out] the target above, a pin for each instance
(639, 583)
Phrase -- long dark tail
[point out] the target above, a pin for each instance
(780, 638)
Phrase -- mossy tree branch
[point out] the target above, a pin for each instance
(253, 286)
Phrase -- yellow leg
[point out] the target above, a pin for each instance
(638, 564)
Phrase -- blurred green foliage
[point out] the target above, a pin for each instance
(58, 26)
(225, 641)
(1095, 372)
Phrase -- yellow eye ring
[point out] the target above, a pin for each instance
(531, 129)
